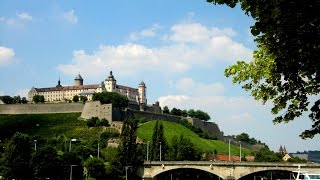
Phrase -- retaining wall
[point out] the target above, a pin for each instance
(40, 108)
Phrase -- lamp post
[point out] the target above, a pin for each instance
(99, 147)
(229, 150)
(35, 144)
(147, 150)
(240, 150)
(71, 170)
(160, 151)
(71, 140)
(127, 167)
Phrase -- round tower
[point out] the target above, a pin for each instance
(110, 83)
(78, 81)
(142, 93)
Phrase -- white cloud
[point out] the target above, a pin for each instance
(22, 93)
(18, 20)
(189, 87)
(206, 47)
(70, 17)
(145, 33)
(195, 32)
(6, 54)
(24, 16)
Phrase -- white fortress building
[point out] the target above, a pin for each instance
(65, 93)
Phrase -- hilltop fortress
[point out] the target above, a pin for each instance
(64, 93)
(56, 99)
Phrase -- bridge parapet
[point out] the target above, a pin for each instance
(225, 170)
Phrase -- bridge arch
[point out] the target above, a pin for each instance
(166, 169)
(274, 172)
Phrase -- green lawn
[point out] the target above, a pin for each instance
(47, 125)
(145, 130)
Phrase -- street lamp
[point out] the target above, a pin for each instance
(229, 150)
(71, 170)
(148, 150)
(127, 167)
(71, 140)
(240, 150)
(35, 144)
(160, 151)
(99, 147)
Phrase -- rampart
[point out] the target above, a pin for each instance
(96, 109)
(40, 108)
(210, 127)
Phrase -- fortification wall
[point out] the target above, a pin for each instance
(155, 116)
(210, 127)
(96, 109)
(40, 108)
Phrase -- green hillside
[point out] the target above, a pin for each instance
(170, 129)
(47, 125)
(68, 125)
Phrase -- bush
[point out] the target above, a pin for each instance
(92, 122)
(104, 122)
(109, 134)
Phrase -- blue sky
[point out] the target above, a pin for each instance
(178, 48)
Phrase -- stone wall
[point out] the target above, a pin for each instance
(155, 116)
(96, 109)
(40, 108)
(210, 127)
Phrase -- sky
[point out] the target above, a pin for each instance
(178, 48)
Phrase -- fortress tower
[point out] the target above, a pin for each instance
(78, 81)
(110, 83)
(142, 93)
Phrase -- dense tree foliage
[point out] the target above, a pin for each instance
(166, 110)
(244, 137)
(118, 101)
(17, 156)
(45, 162)
(128, 154)
(13, 100)
(265, 155)
(95, 168)
(83, 99)
(75, 98)
(183, 149)
(286, 67)
(38, 99)
(158, 141)
(191, 113)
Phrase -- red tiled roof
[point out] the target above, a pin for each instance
(65, 88)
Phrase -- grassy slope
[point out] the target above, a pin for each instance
(50, 125)
(170, 129)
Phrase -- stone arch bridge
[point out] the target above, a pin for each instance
(225, 170)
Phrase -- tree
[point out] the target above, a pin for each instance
(265, 155)
(286, 67)
(83, 99)
(75, 98)
(24, 100)
(95, 168)
(45, 162)
(7, 99)
(118, 101)
(17, 156)
(176, 112)
(127, 154)
(243, 137)
(68, 159)
(183, 149)
(38, 98)
(158, 140)
(166, 110)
